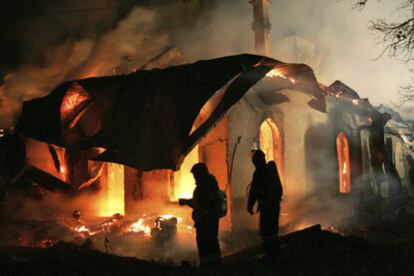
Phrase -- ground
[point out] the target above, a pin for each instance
(382, 249)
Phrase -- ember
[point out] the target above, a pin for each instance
(45, 243)
(332, 229)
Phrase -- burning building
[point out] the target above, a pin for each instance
(133, 138)
(111, 155)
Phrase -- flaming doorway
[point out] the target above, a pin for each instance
(271, 144)
(183, 179)
(342, 148)
(112, 194)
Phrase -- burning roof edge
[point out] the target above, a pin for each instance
(147, 115)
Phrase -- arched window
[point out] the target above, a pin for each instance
(271, 144)
(342, 149)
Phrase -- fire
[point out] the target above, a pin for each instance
(74, 97)
(184, 184)
(277, 73)
(271, 144)
(342, 148)
(85, 231)
(140, 227)
(112, 198)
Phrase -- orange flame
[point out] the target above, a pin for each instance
(342, 147)
(112, 198)
(85, 231)
(184, 183)
(277, 73)
(140, 227)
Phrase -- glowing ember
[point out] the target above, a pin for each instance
(45, 243)
(140, 227)
(332, 229)
(276, 73)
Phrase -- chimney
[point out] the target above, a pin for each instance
(261, 26)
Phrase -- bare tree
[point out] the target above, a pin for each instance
(397, 36)
(398, 39)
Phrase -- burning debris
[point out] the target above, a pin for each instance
(155, 230)
(140, 227)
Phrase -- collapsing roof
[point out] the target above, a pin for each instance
(145, 119)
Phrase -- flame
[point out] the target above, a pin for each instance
(270, 142)
(112, 199)
(140, 227)
(184, 183)
(75, 96)
(278, 73)
(342, 147)
(85, 231)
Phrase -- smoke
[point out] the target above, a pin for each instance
(31, 81)
(96, 43)
(96, 51)
(336, 35)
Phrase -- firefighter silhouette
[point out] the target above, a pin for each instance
(205, 214)
(266, 190)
